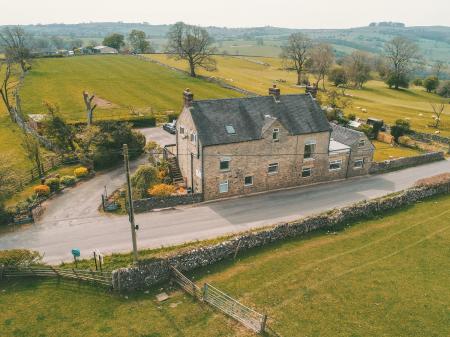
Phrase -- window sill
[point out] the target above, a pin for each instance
(272, 173)
(335, 170)
(308, 159)
(223, 171)
(249, 185)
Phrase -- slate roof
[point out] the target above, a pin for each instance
(299, 114)
(345, 135)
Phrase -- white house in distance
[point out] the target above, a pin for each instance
(105, 50)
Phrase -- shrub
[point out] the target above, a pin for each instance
(5, 216)
(142, 122)
(400, 128)
(81, 172)
(19, 257)
(144, 177)
(443, 178)
(42, 190)
(351, 117)
(162, 190)
(53, 183)
(68, 180)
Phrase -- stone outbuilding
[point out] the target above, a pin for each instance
(240, 146)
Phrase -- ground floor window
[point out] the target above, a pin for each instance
(248, 181)
(273, 168)
(306, 172)
(358, 164)
(223, 186)
(335, 165)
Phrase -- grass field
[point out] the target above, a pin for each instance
(383, 277)
(385, 151)
(257, 74)
(123, 81)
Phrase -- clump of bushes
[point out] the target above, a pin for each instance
(19, 257)
(42, 190)
(144, 177)
(68, 180)
(401, 128)
(54, 184)
(5, 215)
(81, 172)
(162, 190)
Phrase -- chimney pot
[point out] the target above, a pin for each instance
(188, 97)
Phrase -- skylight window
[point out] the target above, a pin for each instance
(230, 129)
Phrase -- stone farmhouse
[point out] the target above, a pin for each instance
(240, 146)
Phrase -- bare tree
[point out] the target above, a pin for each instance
(14, 42)
(439, 67)
(296, 53)
(438, 109)
(33, 151)
(322, 59)
(193, 44)
(5, 85)
(400, 53)
(89, 107)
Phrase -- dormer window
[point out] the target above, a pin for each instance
(276, 135)
(362, 143)
(230, 129)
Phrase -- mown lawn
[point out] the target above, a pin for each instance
(385, 151)
(257, 74)
(383, 277)
(123, 81)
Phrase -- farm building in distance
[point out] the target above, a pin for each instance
(238, 146)
(105, 50)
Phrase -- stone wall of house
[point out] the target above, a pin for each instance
(364, 153)
(146, 205)
(400, 163)
(154, 271)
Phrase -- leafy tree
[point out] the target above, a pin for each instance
(57, 130)
(418, 82)
(400, 128)
(193, 44)
(431, 83)
(33, 151)
(296, 53)
(144, 178)
(139, 43)
(114, 40)
(358, 67)
(15, 44)
(322, 59)
(399, 53)
(338, 76)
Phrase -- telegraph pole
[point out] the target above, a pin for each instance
(130, 203)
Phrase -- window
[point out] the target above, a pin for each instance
(306, 172)
(224, 164)
(276, 135)
(181, 130)
(362, 143)
(310, 148)
(335, 165)
(358, 164)
(230, 129)
(248, 181)
(223, 186)
(273, 168)
(193, 137)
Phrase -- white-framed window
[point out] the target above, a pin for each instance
(310, 149)
(276, 135)
(306, 172)
(362, 143)
(272, 168)
(248, 181)
(224, 164)
(193, 138)
(358, 164)
(223, 187)
(181, 130)
(335, 165)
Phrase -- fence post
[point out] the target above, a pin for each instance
(263, 323)
(205, 292)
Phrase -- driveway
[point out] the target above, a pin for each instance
(72, 220)
(158, 135)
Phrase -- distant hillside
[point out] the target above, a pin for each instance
(434, 41)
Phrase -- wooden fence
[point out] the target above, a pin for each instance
(97, 277)
(218, 299)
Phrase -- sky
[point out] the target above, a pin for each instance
(229, 13)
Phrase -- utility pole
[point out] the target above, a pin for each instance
(130, 203)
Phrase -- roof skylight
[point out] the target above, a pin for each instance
(230, 129)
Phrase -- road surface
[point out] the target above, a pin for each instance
(71, 220)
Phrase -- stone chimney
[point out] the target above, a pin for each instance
(188, 97)
(275, 92)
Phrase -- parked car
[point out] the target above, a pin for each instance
(170, 128)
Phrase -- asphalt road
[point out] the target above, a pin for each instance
(71, 220)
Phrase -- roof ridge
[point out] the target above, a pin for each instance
(243, 98)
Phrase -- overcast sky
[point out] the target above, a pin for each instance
(230, 13)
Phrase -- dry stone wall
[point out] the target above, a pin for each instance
(145, 205)
(400, 163)
(154, 271)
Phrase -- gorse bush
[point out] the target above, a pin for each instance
(162, 190)
(19, 257)
(42, 190)
(68, 180)
(81, 172)
(54, 184)
(144, 178)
